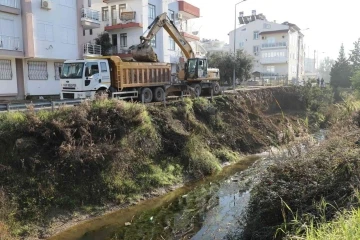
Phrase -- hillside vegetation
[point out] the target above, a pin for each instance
(110, 151)
(315, 195)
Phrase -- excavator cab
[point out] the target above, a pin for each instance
(196, 68)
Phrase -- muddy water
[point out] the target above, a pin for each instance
(208, 209)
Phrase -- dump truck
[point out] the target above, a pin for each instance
(146, 80)
(110, 75)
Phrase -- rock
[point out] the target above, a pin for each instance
(128, 224)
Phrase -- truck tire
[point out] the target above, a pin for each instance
(159, 94)
(197, 89)
(216, 88)
(148, 95)
(101, 93)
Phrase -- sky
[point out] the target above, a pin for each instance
(330, 22)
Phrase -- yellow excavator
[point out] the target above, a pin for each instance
(195, 71)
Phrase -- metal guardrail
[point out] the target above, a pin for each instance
(90, 15)
(273, 45)
(52, 105)
(38, 106)
(92, 49)
(9, 43)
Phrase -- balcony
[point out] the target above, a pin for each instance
(10, 6)
(188, 11)
(275, 60)
(124, 53)
(273, 45)
(126, 20)
(90, 18)
(10, 43)
(116, 26)
(189, 37)
(92, 50)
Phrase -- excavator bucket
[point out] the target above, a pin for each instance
(144, 53)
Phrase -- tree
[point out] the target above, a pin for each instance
(355, 57)
(341, 71)
(325, 68)
(103, 40)
(355, 81)
(225, 61)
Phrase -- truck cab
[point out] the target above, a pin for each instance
(84, 78)
(196, 69)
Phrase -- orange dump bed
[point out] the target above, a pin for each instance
(138, 74)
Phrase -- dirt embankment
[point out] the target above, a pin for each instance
(302, 192)
(112, 152)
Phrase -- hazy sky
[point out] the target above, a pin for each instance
(331, 22)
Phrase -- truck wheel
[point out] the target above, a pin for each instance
(101, 93)
(159, 94)
(148, 96)
(197, 88)
(216, 88)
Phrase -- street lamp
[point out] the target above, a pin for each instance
(234, 75)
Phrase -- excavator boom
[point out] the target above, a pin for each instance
(144, 51)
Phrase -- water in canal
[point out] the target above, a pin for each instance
(208, 209)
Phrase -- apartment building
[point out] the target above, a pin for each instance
(36, 36)
(278, 49)
(11, 49)
(213, 46)
(127, 20)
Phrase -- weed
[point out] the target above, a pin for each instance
(226, 155)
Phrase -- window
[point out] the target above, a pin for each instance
(103, 67)
(67, 35)
(171, 15)
(270, 69)
(152, 11)
(83, 32)
(57, 65)
(122, 7)
(90, 31)
(172, 44)
(267, 26)
(241, 44)
(93, 68)
(123, 40)
(44, 31)
(105, 13)
(256, 49)
(37, 70)
(256, 35)
(89, 3)
(271, 39)
(72, 70)
(113, 15)
(153, 41)
(5, 69)
(7, 27)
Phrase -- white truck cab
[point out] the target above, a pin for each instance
(84, 78)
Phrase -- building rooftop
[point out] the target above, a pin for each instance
(250, 18)
(274, 31)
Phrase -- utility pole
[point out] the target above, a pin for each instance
(234, 74)
(314, 60)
